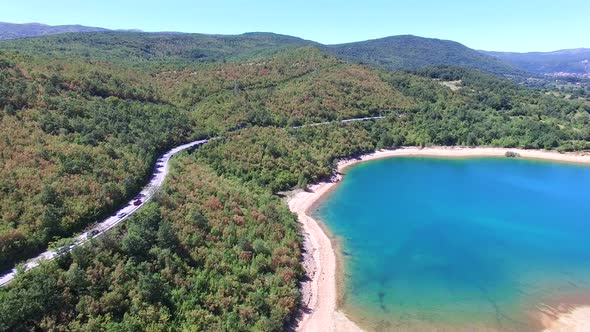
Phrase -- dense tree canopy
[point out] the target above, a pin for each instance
(209, 255)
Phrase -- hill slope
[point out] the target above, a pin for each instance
(407, 51)
(140, 46)
(395, 52)
(573, 61)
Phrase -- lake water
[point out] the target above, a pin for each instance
(469, 244)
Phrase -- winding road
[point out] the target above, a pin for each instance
(160, 171)
(341, 121)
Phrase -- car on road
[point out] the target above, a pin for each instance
(92, 233)
(65, 246)
(137, 202)
(122, 214)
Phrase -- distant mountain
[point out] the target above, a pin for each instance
(14, 30)
(395, 52)
(573, 62)
(407, 51)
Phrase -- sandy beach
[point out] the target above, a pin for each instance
(577, 319)
(320, 296)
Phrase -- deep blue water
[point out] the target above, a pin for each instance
(459, 242)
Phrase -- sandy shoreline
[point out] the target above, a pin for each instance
(577, 319)
(320, 297)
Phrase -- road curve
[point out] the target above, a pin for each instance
(340, 121)
(160, 171)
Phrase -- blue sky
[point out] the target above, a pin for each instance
(500, 25)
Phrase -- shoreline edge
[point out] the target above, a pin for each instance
(320, 310)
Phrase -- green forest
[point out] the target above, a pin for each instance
(84, 116)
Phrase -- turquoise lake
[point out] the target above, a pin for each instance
(459, 244)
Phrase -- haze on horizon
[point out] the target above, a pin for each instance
(501, 25)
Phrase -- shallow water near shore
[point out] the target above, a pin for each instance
(459, 243)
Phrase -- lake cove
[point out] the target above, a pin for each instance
(459, 243)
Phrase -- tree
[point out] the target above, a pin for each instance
(142, 230)
(302, 181)
(166, 237)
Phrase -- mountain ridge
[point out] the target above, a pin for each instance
(414, 51)
(395, 52)
(566, 62)
(34, 29)
(399, 52)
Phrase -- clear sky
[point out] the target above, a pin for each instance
(499, 25)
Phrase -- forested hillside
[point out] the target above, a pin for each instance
(394, 52)
(82, 118)
(136, 48)
(208, 255)
(75, 142)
